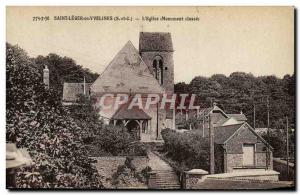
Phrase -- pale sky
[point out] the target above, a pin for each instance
(259, 40)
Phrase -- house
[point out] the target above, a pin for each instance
(238, 147)
(218, 117)
(72, 90)
(149, 70)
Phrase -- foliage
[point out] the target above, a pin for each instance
(277, 140)
(128, 176)
(86, 116)
(188, 148)
(63, 69)
(37, 121)
(116, 140)
(239, 91)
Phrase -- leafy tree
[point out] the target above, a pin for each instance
(63, 69)
(86, 116)
(240, 91)
(37, 121)
(189, 149)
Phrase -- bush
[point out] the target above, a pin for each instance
(117, 141)
(36, 120)
(127, 176)
(86, 115)
(136, 149)
(187, 148)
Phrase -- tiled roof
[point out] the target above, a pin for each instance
(127, 73)
(72, 90)
(238, 117)
(155, 41)
(134, 113)
(222, 133)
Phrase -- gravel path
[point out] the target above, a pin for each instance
(156, 163)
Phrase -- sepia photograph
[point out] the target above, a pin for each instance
(150, 98)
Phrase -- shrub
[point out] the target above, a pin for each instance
(117, 141)
(37, 121)
(113, 139)
(127, 176)
(188, 148)
(136, 149)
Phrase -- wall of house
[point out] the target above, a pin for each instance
(234, 149)
(152, 112)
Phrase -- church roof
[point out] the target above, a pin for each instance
(134, 113)
(127, 73)
(155, 41)
(72, 90)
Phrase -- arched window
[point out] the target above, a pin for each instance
(161, 69)
(158, 68)
(155, 68)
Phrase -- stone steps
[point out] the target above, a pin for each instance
(167, 179)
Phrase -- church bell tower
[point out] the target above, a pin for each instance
(156, 50)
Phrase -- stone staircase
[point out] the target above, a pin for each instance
(164, 179)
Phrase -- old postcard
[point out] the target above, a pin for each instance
(150, 98)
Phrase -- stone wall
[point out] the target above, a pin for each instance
(193, 178)
(234, 160)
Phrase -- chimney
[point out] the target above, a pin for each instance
(241, 112)
(46, 77)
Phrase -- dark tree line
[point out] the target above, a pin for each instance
(63, 69)
(241, 91)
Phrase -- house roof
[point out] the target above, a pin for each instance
(155, 41)
(72, 90)
(238, 117)
(127, 73)
(134, 113)
(223, 133)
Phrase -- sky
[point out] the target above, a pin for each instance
(257, 40)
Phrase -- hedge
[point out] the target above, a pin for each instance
(187, 148)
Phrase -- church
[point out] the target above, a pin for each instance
(149, 70)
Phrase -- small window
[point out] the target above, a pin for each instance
(158, 69)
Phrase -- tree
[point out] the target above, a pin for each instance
(87, 117)
(37, 121)
(240, 91)
(63, 69)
